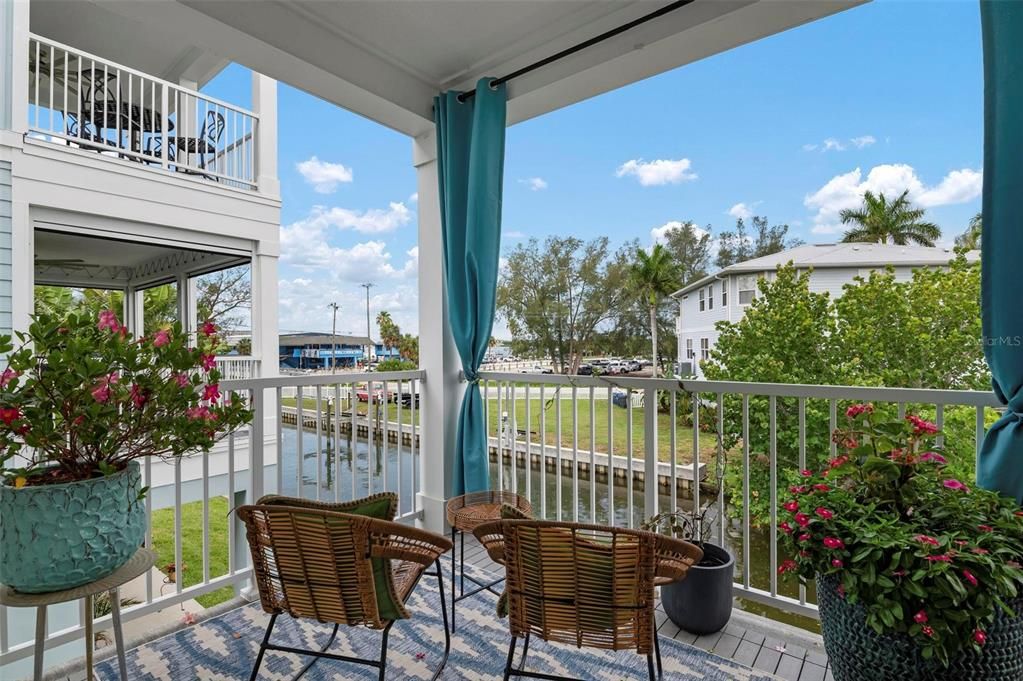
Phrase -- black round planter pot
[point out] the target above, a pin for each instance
(702, 602)
(857, 653)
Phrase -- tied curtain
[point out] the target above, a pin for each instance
(1001, 456)
(470, 159)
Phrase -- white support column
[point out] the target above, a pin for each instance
(264, 103)
(14, 28)
(22, 264)
(263, 279)
(441, 391)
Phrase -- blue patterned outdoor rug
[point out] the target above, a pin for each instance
(223, 648)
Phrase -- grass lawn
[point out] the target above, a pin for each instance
(619, 422)
(191, 545)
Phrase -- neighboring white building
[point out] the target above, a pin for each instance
(724, 295)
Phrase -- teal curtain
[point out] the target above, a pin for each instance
(1001, 456)
(470, 159)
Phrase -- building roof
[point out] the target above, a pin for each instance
(313, 338)
(822, 256)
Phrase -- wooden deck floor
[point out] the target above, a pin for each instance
(789, 653)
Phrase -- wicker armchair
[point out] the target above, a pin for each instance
(311, 561)
(585, 585)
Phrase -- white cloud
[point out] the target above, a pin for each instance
(372, 221)
(846, 191)
(534, 183)
(514, 234)
(741, 210)
(835, 144)
(413, 197)
(658, 172)
(324, 176)
(659, 235)
(831, 144)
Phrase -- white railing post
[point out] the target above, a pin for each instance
(650, 481)
(256, 463)
(264, 134)
(164, 124)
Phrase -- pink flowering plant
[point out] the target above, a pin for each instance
(80, 398)
(928, 556)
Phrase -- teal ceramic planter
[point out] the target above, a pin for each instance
(55, 537)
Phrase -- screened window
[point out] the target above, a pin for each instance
(703, 301)
(747, 289)
(704, 348)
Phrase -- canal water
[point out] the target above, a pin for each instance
(322, 473)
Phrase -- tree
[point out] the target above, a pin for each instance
(882, 221)
(738, 246)
(224, 295)
(689, 247)
(556, 298)
(881, 332)
(917, 334)
(784, 337)
(652, 276)
(390, 334)
(392, 337)
(970, 239)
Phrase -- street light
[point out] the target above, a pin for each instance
(333, 337)
(367, 286)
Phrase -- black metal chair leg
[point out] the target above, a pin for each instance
(525, 652)
(650, 666)
(383, 651)
(444, 617)
(262, 647)
(657, 651)
(511, 656)
(453, 579)
(311, 662)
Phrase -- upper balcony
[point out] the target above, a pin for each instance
(82, 101)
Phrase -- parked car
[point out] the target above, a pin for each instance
(616, 367)
(536, 369)
(584, 370)
(363, 395)
(635, 365)
(406, 399)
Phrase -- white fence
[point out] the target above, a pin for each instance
(580, 454)
(87, 102)
(336, 437)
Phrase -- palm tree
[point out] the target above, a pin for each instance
(971, 237)
(652, 276)
(882, 221)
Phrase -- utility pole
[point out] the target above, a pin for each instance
(369, 348)
(333, 337)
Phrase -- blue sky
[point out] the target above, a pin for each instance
(886, 96)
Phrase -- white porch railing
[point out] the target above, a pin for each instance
(237, 367)
(87, 102)
(563, 442)
(325, 437)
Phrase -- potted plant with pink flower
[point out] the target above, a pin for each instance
(918, 574)
(81, 402)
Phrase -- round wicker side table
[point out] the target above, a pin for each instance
(464, 514)
(137, 565)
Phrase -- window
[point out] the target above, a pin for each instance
(747, 289)
(724, 293)
(710, 297)
(689, 349)
(704, 348)
(703, 303)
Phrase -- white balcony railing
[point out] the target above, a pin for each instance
(237, 367)
(580, 448)
(83, 101)
(577, 447)
(324, 437)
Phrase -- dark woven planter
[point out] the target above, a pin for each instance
(857, 653)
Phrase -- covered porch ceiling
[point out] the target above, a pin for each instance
(387, 60)
(70, 259)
